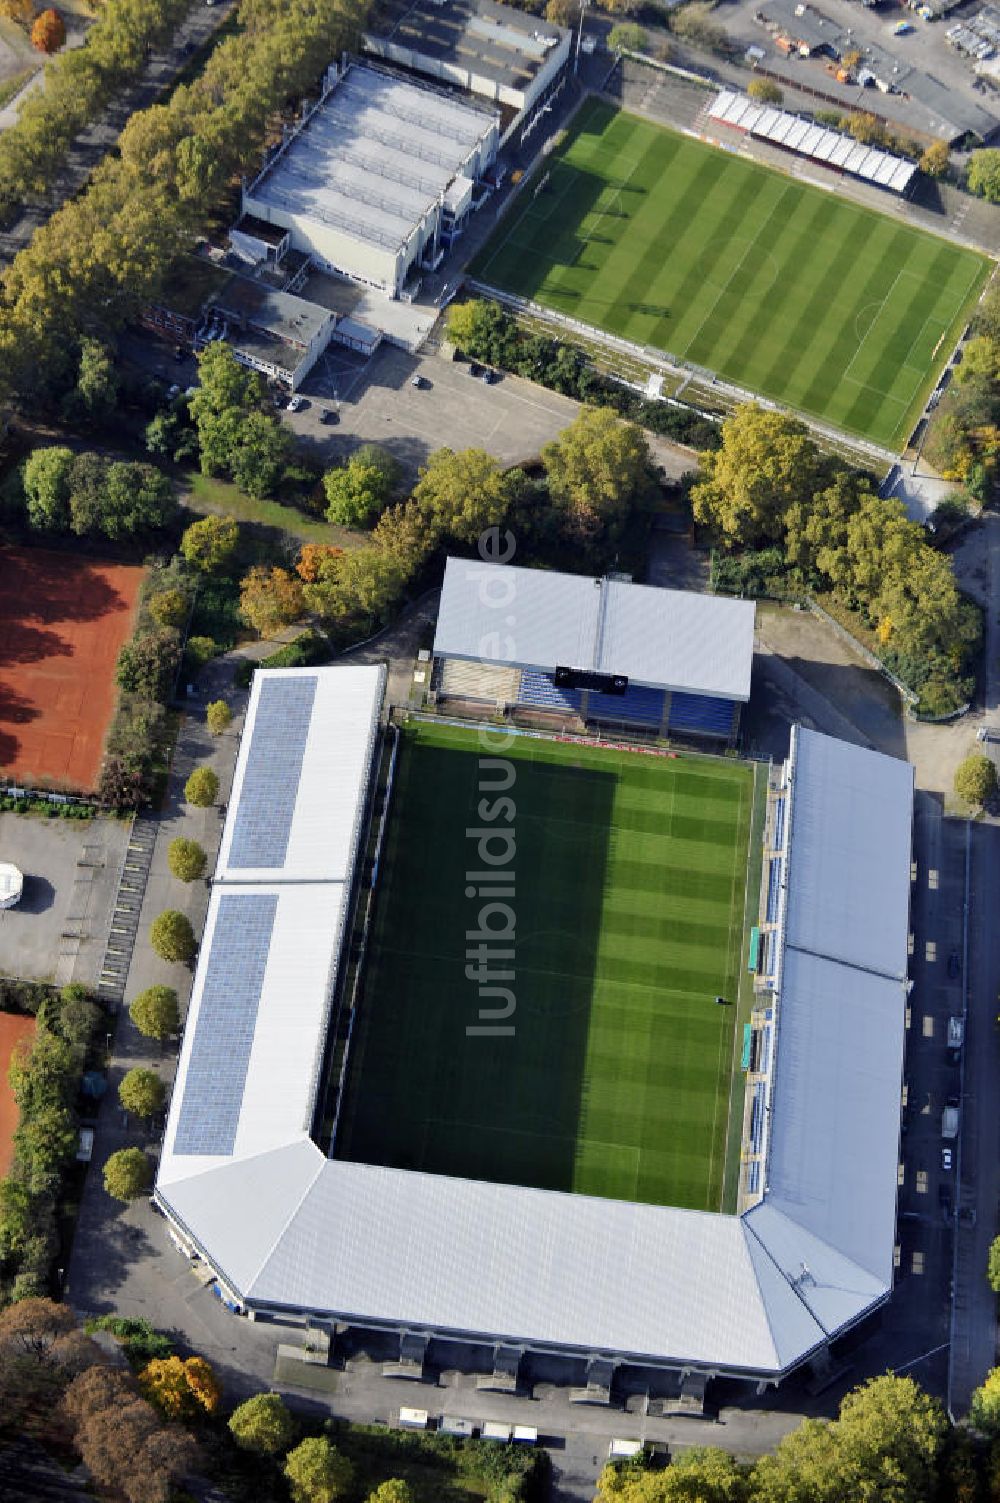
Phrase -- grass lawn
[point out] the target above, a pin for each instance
(797, 294)
(631, 878)
(207, 493)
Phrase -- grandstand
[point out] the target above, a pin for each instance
(686, 657)
(288, 1233)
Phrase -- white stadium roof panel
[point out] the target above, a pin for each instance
(797, 134)
(849, 853)
(783, 128)
(813, 136)
(768, 120)
(902, 177)
(535, 618)
(297, 792)
(721, 103)
(886, 170)
(842, 150)
(855, 160)
(750, 116)
(824, 150)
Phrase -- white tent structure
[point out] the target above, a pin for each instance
(293, 1236)
(11, 884)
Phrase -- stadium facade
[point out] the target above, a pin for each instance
(503, 632)
(296, 1236)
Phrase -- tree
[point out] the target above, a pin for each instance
(598, 469)
(983, 174)
(361, 587)
(358, 490)
(210, 543)
(155, 1012)
(78, 1015)
(21, 11)
(180, 1389)
(218, 717)
(260, 454)
(137, 498)
(993, 1266)
(171, 936)
(87, 480)
(125, 1446)
(95, 394)
(866, 128)
(766, 462)
(186, 859)
(627, 37)
(460, 494)
(127, 1174)
(984, 1409)
(562, 12)
(317, 1472)
(764, 91)
(49, 32)
(702, 1474)
(936, 160)
(169, 607)
(147, 665)
(313, 558)
(46, 488)
(142, 1092)
(43, 1141)
(976, 779)
(692, 23)
(394, 1490)
(202, 788)
(262, 1425)
(270, 599)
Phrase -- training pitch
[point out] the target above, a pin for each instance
(786, 290)
(622, 1075)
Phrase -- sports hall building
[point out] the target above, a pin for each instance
(289, 1233)
(530, 641)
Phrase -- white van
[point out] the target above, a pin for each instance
(414, 1419)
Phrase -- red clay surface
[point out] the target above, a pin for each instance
(63, 620)
(13, 1028)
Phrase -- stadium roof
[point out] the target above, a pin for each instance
(819, 143)
(373, 156)
(288, 1229)
(533, 618)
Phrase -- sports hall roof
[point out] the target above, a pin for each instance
(493, 41)
(290, 1230)
(534, 618)
(373, 156)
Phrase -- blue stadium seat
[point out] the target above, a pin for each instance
(638, 705)
(701, 714)
(538, 691)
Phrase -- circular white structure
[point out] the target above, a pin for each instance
(11, 884)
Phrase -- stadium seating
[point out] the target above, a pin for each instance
(488, 681)
(638, 706)
(773, 888)
(538, 691)
(700, 714)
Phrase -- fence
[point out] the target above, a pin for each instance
(46, 795)
(908, 697)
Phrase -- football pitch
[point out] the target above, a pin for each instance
(794, 293)
(631, 905)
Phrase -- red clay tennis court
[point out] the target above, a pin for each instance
(14, 1027)
(63, 620)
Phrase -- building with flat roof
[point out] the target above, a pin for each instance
(294, 1235)
(496, 51)
(375, 180)
(504, 632)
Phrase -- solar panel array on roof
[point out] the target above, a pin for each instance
(274, 766)
(805, 139)
(227, 1018)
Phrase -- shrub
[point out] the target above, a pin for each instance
(169, 608)
(210, 543)
(171, 936)
(49, 31)
(186, 859)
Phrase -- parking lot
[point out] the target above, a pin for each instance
(58, 930)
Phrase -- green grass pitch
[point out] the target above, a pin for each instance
(631, 897)
(792, 292)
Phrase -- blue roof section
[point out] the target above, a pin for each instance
(274, 766)
(227, 1018)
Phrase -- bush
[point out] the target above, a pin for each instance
(764, 91)
(155, 1012)
(127, 1174)
(140, 1341)
(209, 544)
(202, 788)
(993, 1266)
(627, 37)
(186, 859)
(169, 608)
(976, 779)
(172, 937)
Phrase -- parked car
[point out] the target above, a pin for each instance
(295, 404)
(475, 369)
(329, 415)
(490, 376)
(418, 381)
(946, 1158)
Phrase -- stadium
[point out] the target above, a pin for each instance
(544, 1044)
(799, 295)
